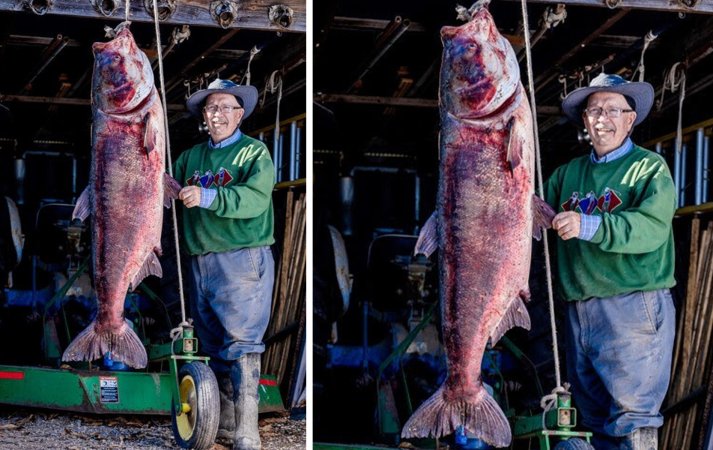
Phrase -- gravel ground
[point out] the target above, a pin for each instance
(35, 430)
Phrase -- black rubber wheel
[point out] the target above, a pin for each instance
(197, 427)
(574, 444)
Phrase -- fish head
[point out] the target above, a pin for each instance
(123, 78)
(479, 70)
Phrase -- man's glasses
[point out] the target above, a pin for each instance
(225, 109)
(612, 113)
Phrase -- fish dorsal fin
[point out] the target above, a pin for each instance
(83, 206)
(151, 266)
(171, 187)
(427, 242)
(542, 215)
(516, 315)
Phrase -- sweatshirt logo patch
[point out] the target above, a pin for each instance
(607, 202)
(208, 179)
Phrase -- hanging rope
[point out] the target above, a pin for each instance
(170, 168)
(538, 164)
(675, 79)
(650, 36)
(127, 8)
(274, 83)
(253, 51)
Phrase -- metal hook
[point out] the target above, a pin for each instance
(166, 8)
(281, 15)
(105, 7)
(224, 12)
(611, 4)
(39, 7)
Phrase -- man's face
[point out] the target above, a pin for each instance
(223, 122)
(606, 131)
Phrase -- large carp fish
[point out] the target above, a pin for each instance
(486, 217)
(125, 196)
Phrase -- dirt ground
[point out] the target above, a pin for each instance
(41, 429)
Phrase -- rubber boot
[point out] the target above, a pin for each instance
(642, 439)
(245, 374)
(226, 429)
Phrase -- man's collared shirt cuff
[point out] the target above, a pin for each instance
(207, 197)
(588, 225)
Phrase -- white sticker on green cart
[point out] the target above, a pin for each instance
(108, 390)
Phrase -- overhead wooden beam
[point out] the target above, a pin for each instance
(701, 6)
(402, 101)
(252, 14)
(358, 23)
(375, 100)
(64, 101)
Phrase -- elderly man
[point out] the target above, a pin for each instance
(228, 230)
(615, 266)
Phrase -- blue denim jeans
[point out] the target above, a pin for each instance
(232, 297)
(619, 353)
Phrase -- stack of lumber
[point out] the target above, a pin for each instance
(285, 334)
(686, 422)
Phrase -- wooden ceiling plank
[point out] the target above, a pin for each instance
(701, 6)
(252, 14)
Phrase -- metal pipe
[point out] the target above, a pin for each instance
(677, 174)
(74, 177)
(293, 150)
(282, 155)
(20, 180)
(276, 153)
(417, 204)
(684, 151)
(706, 168)
(298, 153)
(699, 166)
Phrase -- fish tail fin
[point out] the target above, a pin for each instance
(124, 345)
(479, 414)
(542, 215)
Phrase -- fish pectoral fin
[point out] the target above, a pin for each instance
(516, 315)
(151, 266)
(514, 151)
(152, 133)
(542, 215)
(171, 187)
(427, 242)
(83, 207)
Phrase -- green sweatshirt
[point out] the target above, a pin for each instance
(633, 248)
(241, 214)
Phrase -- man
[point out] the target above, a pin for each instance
(228, 230)
(615, 266)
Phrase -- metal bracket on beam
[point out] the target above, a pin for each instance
(280, 15)
(224, 12)
(39, 7)
(166, 8)
(105, 7)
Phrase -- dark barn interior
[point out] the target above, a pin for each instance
(45, 154)
(376, 125)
